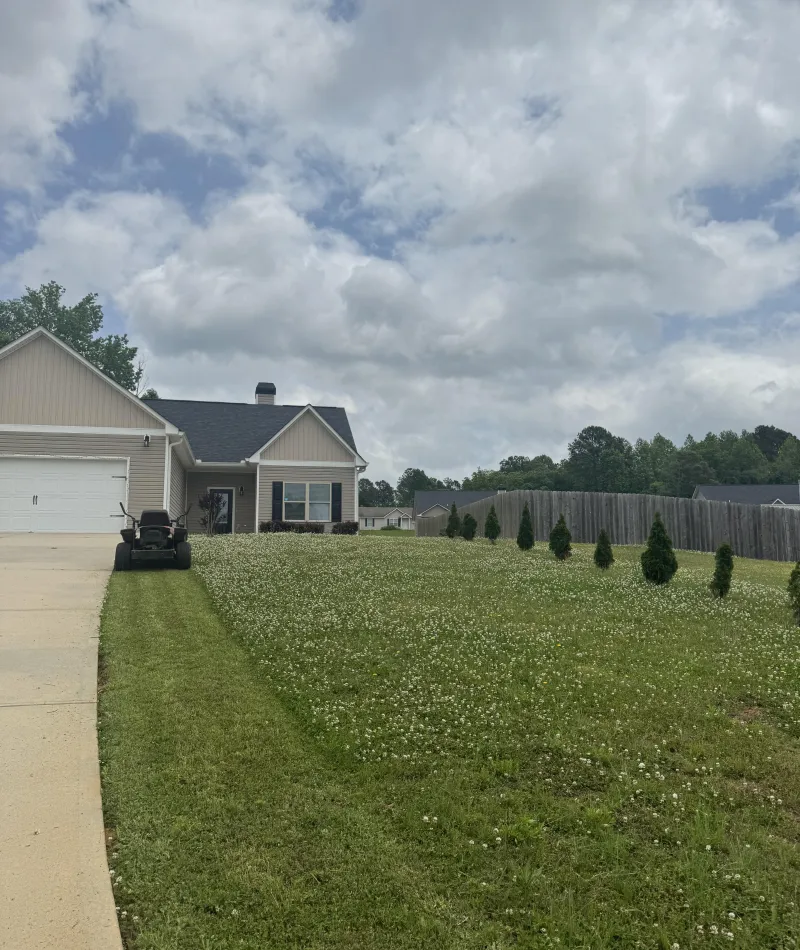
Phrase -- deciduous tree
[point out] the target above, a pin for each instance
(78, 326)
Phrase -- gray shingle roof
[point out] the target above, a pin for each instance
(382, 512)
(423, 500)
(750, 494)
(232, 431)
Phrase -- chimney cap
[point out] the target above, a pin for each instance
(266, 389)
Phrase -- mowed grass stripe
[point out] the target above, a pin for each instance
(231, 828)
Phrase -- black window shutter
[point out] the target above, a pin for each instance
(336, 501)
(277, 501)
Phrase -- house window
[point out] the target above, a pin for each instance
(294, 502)
(306, 502)
(319, 502)
(393, 522)
(369, 522)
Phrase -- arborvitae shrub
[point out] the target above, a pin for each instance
(658, 558)
(525, 533)
(723, 571)
(603, 555)
(560, 540)
(468, 527)
(794, 592)
(453, 528)
(491, 529)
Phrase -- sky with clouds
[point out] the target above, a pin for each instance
(479, 227)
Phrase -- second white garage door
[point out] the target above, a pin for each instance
(62, 495)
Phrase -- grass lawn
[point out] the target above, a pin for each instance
(325, 742)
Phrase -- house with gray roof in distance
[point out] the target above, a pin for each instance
(74, 444)
(373, 519)
(780, 495)
(429, 504)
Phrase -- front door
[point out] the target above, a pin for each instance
(223, 523)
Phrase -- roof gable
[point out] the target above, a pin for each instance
(307, 438)
(43, 381)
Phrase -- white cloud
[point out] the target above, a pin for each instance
(42, 45)
(541, 169)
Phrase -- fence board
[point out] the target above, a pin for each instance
(755, 531)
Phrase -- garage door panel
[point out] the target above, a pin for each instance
(61, 494)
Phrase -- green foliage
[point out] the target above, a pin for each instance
(77, 326)
(377, 495)
(603, 555)
(469, 527)
(491, 529)
(149, 394)
(658, 559)
(770, 440)
(414, 480)
(794, 592)
(561, 540)
(525, 533)
(723, 571)
(453, 528)
(787, 461)
(598, 460)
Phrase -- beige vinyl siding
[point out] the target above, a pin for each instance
(42, 384)
(177, 486)
(244, 507)
(146, 472)
(292, 473)
(307, 440)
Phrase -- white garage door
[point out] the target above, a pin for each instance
(61, 495)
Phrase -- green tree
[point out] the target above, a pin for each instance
(491, 529)
(414, 480)
(149, 394)
(469, 526)
(794, 592)
(787, 462)
(599, 461)
(515, 463)
(770, 440)
(561, 540)
(658, 559)
(688, 470)
(603, 555)
(525, 533)
(78, 326)
(723, 571)
(453, 523)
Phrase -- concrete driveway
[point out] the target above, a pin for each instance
(55, 891)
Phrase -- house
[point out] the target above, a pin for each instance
(370, 519)
(74, 444)
(428, 504)
(785, 495)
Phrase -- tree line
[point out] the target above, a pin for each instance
(598, 460)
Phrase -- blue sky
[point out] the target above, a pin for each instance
(478, 229)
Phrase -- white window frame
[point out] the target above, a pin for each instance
(308, 503)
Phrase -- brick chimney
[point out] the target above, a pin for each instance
(265, 394)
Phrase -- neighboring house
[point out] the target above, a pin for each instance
(74, 444)
(376, 518)
(428, 504)
(785, 495)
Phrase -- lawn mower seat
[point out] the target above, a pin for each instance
(154, 519)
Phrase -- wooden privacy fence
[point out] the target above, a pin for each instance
(756, 531)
